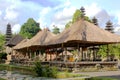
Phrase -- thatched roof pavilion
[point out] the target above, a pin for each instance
(18, 46)
(38, 40)
(84, 33)
(14, 40)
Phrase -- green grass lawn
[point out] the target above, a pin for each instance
(2, 79)
(67, 75)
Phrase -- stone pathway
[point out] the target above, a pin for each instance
(16, 76)
(114, 74)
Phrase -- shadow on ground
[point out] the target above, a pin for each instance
(114, 76)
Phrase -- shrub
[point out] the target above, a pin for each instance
(3, 55)
(38, 68)
(45, 71)
(51, 72)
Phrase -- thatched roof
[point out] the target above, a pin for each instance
(14, 40)
(19, 45)
(84, 32)
(39, 39)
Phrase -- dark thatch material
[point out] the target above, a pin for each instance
(84, 32)
(14, 40)
(18, 46)
(39, 39)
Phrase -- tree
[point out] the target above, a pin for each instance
(68, 24)
(76, 16)
(30, 28)
(113, 49)
(2, 41)
(56, 30)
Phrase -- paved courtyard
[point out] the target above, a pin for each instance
(111, 74)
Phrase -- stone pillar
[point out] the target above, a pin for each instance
(9, 58)
(65, 59)
(30, 55)
(78, 52)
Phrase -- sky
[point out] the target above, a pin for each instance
(56, 12)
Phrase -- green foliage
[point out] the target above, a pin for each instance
(20, 69)
(102, 50)
(56, 30)
(38, 68)
(76, 16)
(45, 71)
(2, 41)
(68, 24)
(62, 75)
(30, 28)
(87, 19)
(3, 56)
(2, 79)
(52, 72)
(114, 49)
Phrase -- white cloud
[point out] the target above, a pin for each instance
(67, 3)
(17, 11)
(11, 14)
(42, 17)
(42, 22)
(0, 13)
(92, 10)
(66, 13)
(16, 28)
(44, 11)
(10, 10)
(118, 17)
(60, 26)
(63, 16)
(116, 29)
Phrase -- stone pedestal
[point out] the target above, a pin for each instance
(9, 59)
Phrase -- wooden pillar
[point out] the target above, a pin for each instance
(82, 54)
(86, 57)
(55, 50)
(46, 56)
(62, 53)
(30, 54)
(39, 54)
(35, 54)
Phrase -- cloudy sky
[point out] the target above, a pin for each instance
(56, 12)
